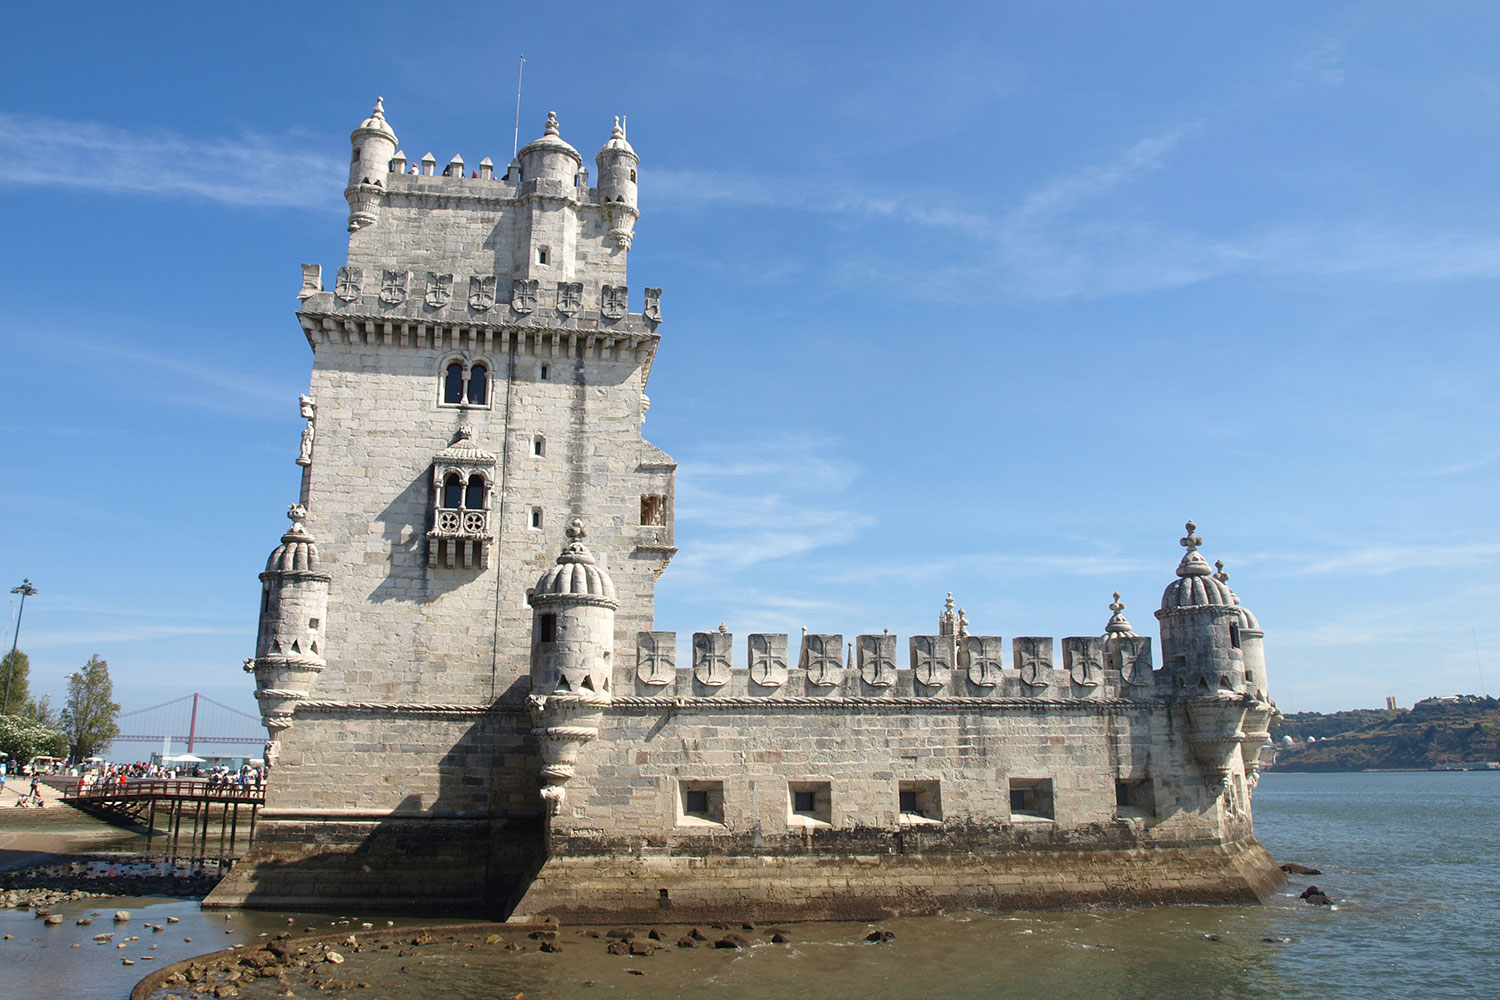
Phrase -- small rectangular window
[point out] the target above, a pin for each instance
(541, 255)
(919, 801)
(1135, 798)
(544, 373)
(653, 509)
(539, 446)
(1031, 798)
(536, 517)
(312, 623)
(809, 803)
(700, 803)
(548, 628)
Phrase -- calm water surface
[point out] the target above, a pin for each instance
(1413, 860)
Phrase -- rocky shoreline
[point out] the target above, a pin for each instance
(60, 879)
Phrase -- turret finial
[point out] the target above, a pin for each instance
(575, 530)
(1117, 624)
(297, 513)
(1193, 563)
(723, 628)
(1221, 575)
(379, 111)
(552, 123)
(617, 132)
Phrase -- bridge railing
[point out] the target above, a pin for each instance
(188, 788)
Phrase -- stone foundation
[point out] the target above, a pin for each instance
(770, 889)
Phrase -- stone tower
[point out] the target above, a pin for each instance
(478, 382)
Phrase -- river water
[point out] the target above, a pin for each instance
(1413, 860)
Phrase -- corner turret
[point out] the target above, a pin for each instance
(374, 146)
(572, 645)
(617, 164)
(289, 646)
(550, 158)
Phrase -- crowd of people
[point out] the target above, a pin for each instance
(107, 776)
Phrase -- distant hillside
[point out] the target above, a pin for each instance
(1432, 734)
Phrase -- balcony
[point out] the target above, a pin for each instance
(459, 537)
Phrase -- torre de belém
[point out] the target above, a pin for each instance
(469, 708)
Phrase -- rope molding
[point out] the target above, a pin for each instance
(740, 703)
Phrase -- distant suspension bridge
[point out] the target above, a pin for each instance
(192, 719)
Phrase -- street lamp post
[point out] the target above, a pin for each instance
(25, 590)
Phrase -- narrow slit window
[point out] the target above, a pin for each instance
(544, 373)
(539, 446)
(478, 384)
(1234, 636)
(541, 255)
(548, 628)
(536, 517)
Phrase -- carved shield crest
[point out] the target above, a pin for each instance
(768, 659)
(931, 659)
(711, 658)
(823, 659)
(1084, 658)
(877, 659)
(347, 284)
(614, 300)
(656, 658)
(439, 289)
(393, 286)
(569, 297)
(481, 292)
(1033, 656)
(523, 294)
(653, 305)
(985, 660)
(1134, 652)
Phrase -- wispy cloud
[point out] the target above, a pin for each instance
(106, 637)
(1379, 560)
(775, 500)
(248, 169)
(1081, 234)
(1463, 467)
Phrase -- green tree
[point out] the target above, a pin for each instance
(89, 716)
(19, 672)
(22, 739)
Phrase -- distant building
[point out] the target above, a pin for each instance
(1390, 703)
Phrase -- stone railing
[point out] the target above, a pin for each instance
(450, 523)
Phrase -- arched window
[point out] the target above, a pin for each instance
(453, 384)
(453, 491)
(478, 384)
(474, 495)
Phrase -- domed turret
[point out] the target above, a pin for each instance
(289, 652)
(1200, 640)
(572, 645)
(617, 185)
(374, 145)
(549, 158)
(1200, 627)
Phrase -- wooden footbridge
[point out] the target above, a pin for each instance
(175, 801)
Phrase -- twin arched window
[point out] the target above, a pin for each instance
(466, 384)
(458, 495)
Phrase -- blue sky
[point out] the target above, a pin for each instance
(982, 302)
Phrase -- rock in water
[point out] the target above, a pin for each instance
(1293, 868)
(121, 916)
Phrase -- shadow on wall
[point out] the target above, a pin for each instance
(472, 851)
(409, 578)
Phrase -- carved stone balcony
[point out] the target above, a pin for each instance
(459, 537)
